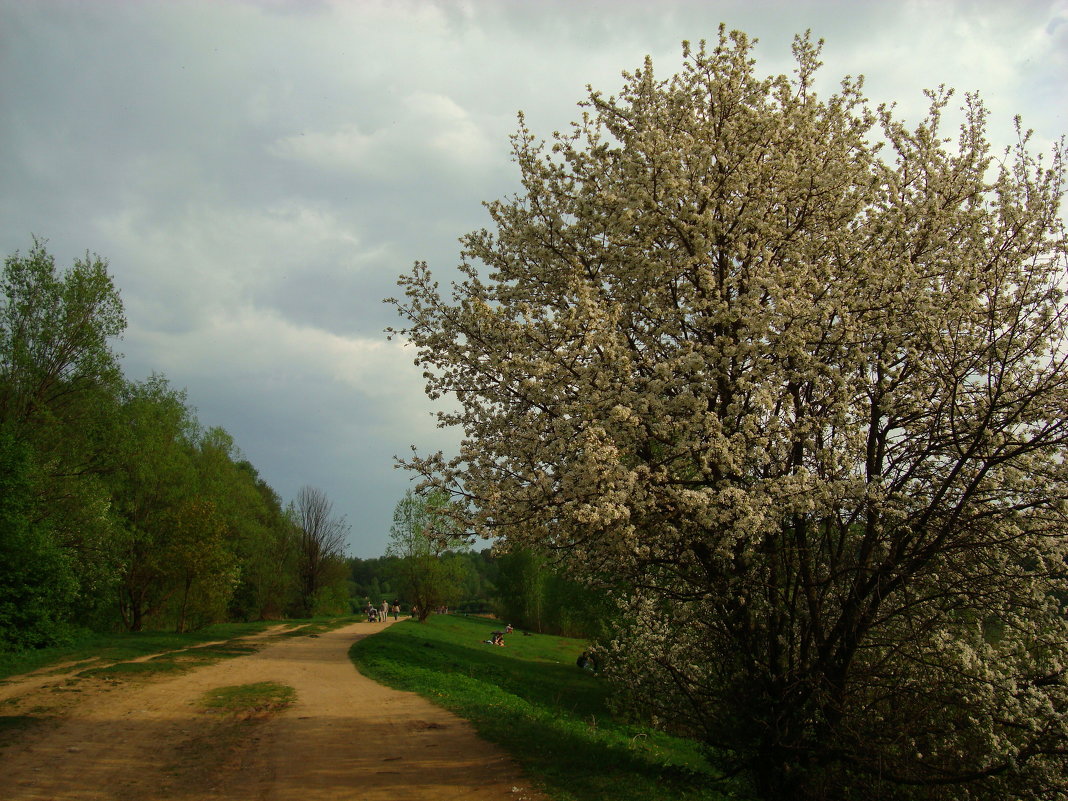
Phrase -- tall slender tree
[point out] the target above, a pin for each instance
(322, 549)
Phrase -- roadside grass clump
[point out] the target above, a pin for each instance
(133, 670)
(249, 700)
(93, 652)
(118, 647)
(229, 728)
(317, 626)
(532, 699)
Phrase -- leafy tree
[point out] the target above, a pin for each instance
(267, 548)
(54, 333)
(479, 577)
(201, 564)
(255, 528)
(59, 382)
(321, 556)
(792, 375)
(420, 538)
(37, 582)
(113, 488)
(154, 477)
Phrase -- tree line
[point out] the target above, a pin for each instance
(118, 508)
(429, 565)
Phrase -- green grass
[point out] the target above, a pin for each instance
(531, 699)
(264, 697)
(231, 719)
(96, 654)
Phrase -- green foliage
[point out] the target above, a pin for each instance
(532, 594)
(249, 699)
(263, 541)
(117, 507)
(155, 476)
(37, 582)
(54, 332)
(58, 377)
(98, 650)
(427, 574)
(532, 699)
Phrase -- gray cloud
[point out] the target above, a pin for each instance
(258, 173)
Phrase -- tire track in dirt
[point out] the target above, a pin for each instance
(345, 737)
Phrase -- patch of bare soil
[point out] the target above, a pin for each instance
(345, 737)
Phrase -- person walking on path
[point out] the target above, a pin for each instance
(385, 611)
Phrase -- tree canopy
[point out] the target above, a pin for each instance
(787, 376)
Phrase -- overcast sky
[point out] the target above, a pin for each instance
(257, 174)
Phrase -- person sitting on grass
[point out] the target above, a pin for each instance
(587, 661)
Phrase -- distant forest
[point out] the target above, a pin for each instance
(521, 588)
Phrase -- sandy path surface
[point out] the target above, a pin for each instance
(346, 737)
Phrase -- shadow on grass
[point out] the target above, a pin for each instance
(12, 727)
(537, 670)
(124, 646)
(531, 699)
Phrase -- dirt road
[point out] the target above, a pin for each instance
(346, 737)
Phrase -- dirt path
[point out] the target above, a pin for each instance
(346, 737)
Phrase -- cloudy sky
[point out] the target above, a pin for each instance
(257, 174)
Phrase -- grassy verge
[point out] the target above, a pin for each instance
(532, 699)
(110, 654)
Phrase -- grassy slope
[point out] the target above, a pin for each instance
(531, 698)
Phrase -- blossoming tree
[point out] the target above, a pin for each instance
(789, 377)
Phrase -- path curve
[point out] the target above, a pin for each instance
(346, 737)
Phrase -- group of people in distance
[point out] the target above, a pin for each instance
(374, 614)
(498, 636)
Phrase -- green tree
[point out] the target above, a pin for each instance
(533, 593)
(59, 382)
(37, 582)
(55, 332)
(420, 539)
(201, 565)
(255, 528)
(792, 375)
(154, 476)
(113, 488)
(267, 546)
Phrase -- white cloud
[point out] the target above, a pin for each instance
(346, 148)
(430, 131)
(210, 259)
